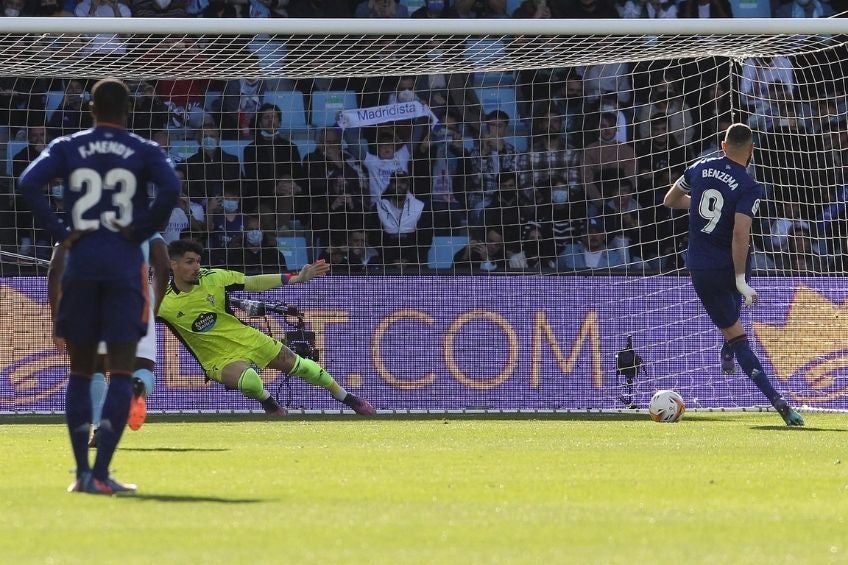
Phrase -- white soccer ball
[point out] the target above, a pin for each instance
(666, 406)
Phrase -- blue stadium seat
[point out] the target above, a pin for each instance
(292, 109)
(184, 148)
(484, 51)
(305, 145)
(12, 149)
(512, 6)
(327, 104)
(52, 101)
(412, 5)
(499, 98)
(444, 247)
(493, 78)
(295, 251)
(235, 147)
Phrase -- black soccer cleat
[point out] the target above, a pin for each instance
(359, 405)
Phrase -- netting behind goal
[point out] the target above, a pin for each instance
(490, 203)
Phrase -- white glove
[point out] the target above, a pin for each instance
(745, 290)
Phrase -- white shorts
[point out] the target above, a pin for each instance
(147, 344)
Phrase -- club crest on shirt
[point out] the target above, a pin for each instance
(210, 299)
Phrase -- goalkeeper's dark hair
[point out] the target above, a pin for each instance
(738, 135)
(111, 100)
(178, 248)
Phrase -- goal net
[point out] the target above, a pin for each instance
(488, 194)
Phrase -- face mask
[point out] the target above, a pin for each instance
(58, 192)
(559, 196)
(405, 96)
(254, 237)
(268, 134)
(162, 3)
(209, 143)
(230, 206)
(12, 12)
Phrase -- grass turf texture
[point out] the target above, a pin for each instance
(715, 488)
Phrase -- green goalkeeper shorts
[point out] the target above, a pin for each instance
(260, 355)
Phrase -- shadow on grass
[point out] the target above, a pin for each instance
(189, 498)
(797, 429)
(173, 449)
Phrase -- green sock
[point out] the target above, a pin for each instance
(311, 372)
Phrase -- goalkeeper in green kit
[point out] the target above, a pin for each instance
(196, 309)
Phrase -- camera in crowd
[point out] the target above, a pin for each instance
(298, 339)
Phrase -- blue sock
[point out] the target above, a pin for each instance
(148, 378)
(115, 413)
(98, 397)
(78, 416)
(750, 363)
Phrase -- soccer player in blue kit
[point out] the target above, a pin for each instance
(722, 200)
(104, 287)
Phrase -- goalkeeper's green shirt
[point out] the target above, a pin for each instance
(203, 321)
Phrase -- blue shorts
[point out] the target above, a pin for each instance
(114, 311)
(717, 290)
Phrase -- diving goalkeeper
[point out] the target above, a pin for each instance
(195, 308)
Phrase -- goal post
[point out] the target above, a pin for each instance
(488, 193)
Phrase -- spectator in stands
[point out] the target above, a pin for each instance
(159, 8)
(533, 9)
(406, 224)
(240, 102)
(563, 215)
(623, 216)
(666, 100)
(706, 9)
(798, 257)
(45, 8)
(187, 218)
(36, 142)
(213, 9)
(209, 170)
(224, 217)
(184, 98)
(572, 107)
(360, 253)
(289, 203)
(269, 158)
(803, 9)
(439, 169)
(319, 9)
(334, 184)
(758, 74)
(104, 43)
(608, 78)
(538, 250)
(391, 158)
(661, 158)
(21, 103)
(435, 9)
(253, 251)
(380, 9)
(789, 219)
(592, 252)
(149, 112)
(491, 156)
(480, 8)
(484, 253)
(73, 114)
(603, 159)
(550, 161)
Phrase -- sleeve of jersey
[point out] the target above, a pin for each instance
(45, 168)
(683, 181)
(749, 203)
(259, 283)
(230, 280)
(167, 190)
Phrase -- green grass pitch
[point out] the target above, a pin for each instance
(715, 488)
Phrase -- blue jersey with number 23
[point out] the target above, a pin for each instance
(720, 188)
(106, 171)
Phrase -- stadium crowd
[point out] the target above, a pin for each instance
(564, 171)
